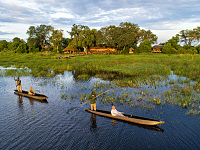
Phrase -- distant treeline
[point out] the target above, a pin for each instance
(122, 37)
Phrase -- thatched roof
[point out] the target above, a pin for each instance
(68, 48)
(158, 46)
(131, 49)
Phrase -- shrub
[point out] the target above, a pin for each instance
(145, 46)
(168, 49)
(21, 48)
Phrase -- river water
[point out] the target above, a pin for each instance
(29, 124)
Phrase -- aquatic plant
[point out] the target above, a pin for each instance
(64, 96)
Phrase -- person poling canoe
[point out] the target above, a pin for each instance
(31, 91)
(93, 99)
(18, 84)
(89, 100)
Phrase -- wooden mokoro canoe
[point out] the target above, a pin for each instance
(128, 118)
(36, 96)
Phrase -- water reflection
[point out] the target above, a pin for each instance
(93, 123)
(20, 100)
(155, 127)
(32, 101)
(113, 122)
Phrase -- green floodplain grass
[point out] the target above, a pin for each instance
(135, 65)
(135, 71)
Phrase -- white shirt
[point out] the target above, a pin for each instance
(114, 112)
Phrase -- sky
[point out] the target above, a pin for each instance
(165, 18)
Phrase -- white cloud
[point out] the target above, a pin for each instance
(62, 15)
(177, 24)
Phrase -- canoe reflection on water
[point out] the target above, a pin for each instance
(155, 128)
(93, 123)
(31, 100)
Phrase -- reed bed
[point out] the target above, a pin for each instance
(139, 81)
(141, 65)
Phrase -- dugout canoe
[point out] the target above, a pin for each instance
(128, 118)
(36, 96)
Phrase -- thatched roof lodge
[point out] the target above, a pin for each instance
(69, 50)
(157, 48)
(131, 50)
(102, 50)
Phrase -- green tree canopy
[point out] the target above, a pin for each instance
(3, 45)
(145, 46)
(127, 34)
(174, 41)
(21, 48)
(82, 36)
(57, 38)
(168, 49)
(40, 33)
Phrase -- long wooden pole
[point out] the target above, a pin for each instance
(90, 100)
(15, 83)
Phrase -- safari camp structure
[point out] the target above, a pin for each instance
(102, 50)
(69, 50)
(131, 50)
(157, 48)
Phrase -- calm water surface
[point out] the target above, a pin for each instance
(29, 124)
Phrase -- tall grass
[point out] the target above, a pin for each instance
(141, 65)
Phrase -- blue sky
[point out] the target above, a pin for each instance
(165, 18)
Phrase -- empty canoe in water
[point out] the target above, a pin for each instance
(128, 118)
(36, 96)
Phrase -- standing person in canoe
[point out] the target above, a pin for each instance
(31, 91)
(114, 112)
(19, 85)
(93, 99)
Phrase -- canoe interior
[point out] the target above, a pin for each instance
(130, 116)
(25, 93)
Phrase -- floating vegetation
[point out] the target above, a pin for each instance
(83, 77)
(64, 96)
(193, 112)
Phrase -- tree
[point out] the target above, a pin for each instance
(126, 35)
(33, 44)
(3, 45)
(184, 34)
(174, 41)
(192, 50)
(181, 50)
(144, 35)
(145, 46)
(21, 48)
(108, 36)
(16, 42)
(40, 33)
(65, 42)
(168, 49)
(188, 36)
(198, 48)
(87, 39)
(76, 32)
(82, 36)
(57, 38)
